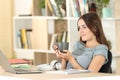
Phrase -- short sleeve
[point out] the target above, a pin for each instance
(101, 50)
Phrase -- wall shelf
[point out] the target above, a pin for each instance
(44, 26)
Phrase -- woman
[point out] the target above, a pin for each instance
(92, 49)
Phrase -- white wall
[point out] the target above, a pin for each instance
(23, 7)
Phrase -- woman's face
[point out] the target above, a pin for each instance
(85, 33)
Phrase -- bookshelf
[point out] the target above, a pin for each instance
(44, 26)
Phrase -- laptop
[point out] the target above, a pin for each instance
(4, 63)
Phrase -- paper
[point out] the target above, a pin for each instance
(69, 71)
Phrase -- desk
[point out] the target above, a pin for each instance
(46, 76)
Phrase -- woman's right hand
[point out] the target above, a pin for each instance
(58, 54)
(55, 47)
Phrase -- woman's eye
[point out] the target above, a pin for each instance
(84, 27)
(78, 28)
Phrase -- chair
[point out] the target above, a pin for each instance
(106, 68)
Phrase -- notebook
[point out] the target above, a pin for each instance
(4, 63)
(69, 71)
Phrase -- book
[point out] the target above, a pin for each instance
(58, 8)
(64, 37)
(28, 34)
(84, 8)
(50, 7)
(19, 39)
(53, 40)
(60, 36)
(78, 7)
(74, 6)
(18, 61)
(54, 6)
(23, 38)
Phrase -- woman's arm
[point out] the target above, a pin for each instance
(96, 63)
(75, 64)
(94, 66)
(64, 63)
(69, 57)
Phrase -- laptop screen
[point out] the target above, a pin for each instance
(5, 63)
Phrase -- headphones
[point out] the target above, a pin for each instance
(55, 65)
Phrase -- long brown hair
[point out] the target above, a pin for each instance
(93, 22)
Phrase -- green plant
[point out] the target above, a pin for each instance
(41, 4)
(100, 5)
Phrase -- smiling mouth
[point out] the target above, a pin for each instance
(83, 35)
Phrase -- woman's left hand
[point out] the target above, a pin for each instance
(67, 55)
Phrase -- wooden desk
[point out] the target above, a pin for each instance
(46, 76)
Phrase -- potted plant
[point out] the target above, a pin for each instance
(101, 4)
(106, 11)
(41, 6)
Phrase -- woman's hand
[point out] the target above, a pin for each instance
(67, 56)
(55, 47)
(57, 52)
